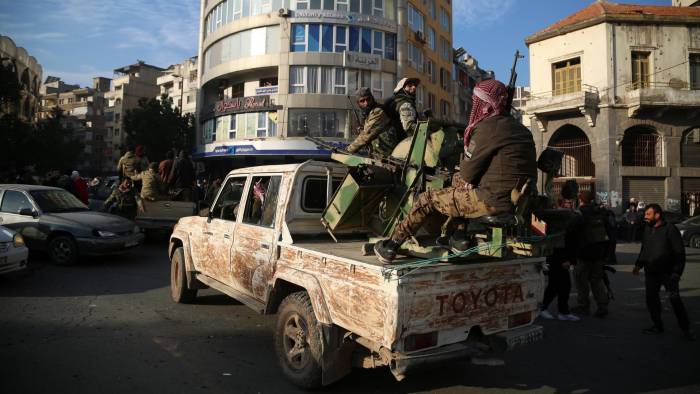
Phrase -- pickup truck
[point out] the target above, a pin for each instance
(162, 215)
(263, 244)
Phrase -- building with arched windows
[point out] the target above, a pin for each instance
(20, 75)
(616, 87)
(272, 72)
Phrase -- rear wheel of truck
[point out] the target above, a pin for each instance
(298, 341)
(179, 291)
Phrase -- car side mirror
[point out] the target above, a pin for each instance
(28, 212)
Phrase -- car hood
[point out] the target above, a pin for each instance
(95, 220)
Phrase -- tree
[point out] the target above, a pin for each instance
(157, 126)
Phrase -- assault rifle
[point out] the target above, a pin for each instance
(511, 83)
(326, 145)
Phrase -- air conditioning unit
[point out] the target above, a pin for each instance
(419, 36)
(284, 13)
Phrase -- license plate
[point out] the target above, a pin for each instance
(522, 336)
(131, 243)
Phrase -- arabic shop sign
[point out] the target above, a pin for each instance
(243, 104)
(364, 61)
(344, 17)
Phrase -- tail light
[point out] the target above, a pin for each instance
(519, 319)
(420, 341)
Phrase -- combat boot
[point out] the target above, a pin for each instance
(386, 250)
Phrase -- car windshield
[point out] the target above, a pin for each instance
(694, 221)
(53, 201)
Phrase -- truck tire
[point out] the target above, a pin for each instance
(179, 291)
(298, 341)
(63, 250)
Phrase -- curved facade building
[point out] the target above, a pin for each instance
(22, 72)
(275, 71)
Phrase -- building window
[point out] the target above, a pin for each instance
(444, 20)
(416, 21)
(232, 10)
(431, 101)
(640, 70)
(329, 38)
(415, 57)
(378, 8)
(116, 118)
(341, 5)
(430, 5)
(317, 122)
(690, 148)
(339, 81)
(566, 76)
(189, 99)
(243, 44)
(642, 148)
(430, 38)
(116, 132)
(445, 79)
(232, 127)
(445, 49)
(444, 109)
(317, 79)
(694, 61)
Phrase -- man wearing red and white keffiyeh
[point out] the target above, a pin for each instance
(499, 156)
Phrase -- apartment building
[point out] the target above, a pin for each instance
(83, 110)
(180, 83)
(22, 73)
(466, 74)
(130, 84)
(617, 89)
(272, 72)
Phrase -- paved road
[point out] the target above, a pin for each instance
(108, 326)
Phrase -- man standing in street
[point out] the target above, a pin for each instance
(663, 259)
(591, 258)
(377, 130)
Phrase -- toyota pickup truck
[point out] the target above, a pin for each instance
(262, 243)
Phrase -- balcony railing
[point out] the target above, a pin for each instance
(661, 95)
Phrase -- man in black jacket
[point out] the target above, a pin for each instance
(593, 250)
(663, 259)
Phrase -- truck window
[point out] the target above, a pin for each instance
(313, 195)
(226, 206)
(261, 204)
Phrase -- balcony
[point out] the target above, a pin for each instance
(543, 106)
(660, 97)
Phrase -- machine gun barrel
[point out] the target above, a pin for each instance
(512, 80)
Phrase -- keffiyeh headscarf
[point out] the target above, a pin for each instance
(489, 99)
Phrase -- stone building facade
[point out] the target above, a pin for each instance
(19, 72)
(617, 89)
(180, 83)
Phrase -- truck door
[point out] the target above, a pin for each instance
(256, 236)
(219, 231)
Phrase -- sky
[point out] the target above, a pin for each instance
(79, 39)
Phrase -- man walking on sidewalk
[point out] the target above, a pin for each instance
(663, 259)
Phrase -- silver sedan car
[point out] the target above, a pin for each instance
(13, 252)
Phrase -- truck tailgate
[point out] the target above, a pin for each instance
(165, 211)
(448, 301)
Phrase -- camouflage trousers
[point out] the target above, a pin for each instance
(455, 202)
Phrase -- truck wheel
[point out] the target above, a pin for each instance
(298, 341)
(695, 241)
(179, 291)
(63, 250)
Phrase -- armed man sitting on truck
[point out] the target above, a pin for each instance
(377, 130)
(401, 108)
(152, 186)
(499, 156)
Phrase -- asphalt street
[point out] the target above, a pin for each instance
(108, 326)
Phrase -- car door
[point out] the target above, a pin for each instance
(218, 232)
(256, 235)
(13, 202)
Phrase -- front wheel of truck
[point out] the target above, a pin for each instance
(298, 341)
(179, 291)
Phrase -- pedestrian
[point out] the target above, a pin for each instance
(499, 156)
(662, 257)
(593, 250)
(559, 284)
(377, 131)
(80, 189)
(631, 222)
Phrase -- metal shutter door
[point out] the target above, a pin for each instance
(647, 190)
(690, 185)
